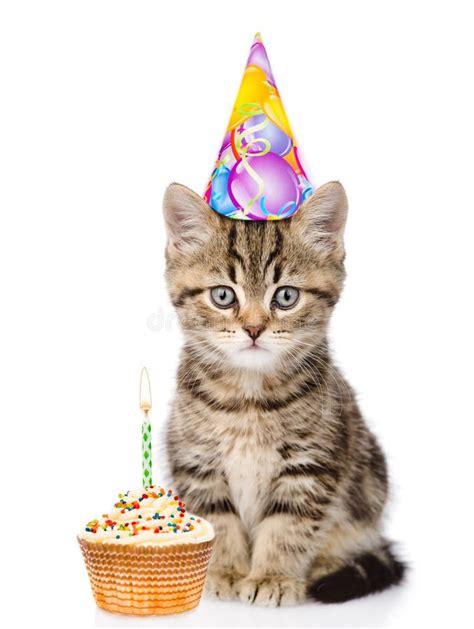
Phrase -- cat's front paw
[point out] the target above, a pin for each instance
(272, 591)
(222, 585)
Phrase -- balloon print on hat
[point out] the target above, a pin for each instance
(280, 142)
(278, 195)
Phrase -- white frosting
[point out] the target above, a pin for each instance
(147, 517)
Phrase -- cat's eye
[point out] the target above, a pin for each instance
(223, 296)
(285, 297)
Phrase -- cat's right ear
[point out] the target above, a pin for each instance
(189, 220)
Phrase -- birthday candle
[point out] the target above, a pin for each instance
(145, 405)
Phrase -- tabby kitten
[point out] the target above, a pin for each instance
(265, 438)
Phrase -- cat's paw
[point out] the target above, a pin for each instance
(272, 591)
(222, 585)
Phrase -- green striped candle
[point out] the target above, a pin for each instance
(145, 405)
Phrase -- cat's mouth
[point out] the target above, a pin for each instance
(250, 355)
(252, 347)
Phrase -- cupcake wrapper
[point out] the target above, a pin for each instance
(146, 580)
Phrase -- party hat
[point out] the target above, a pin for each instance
(258, 175)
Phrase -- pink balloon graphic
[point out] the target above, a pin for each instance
(281, 195)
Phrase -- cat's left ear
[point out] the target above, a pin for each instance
(321, 219)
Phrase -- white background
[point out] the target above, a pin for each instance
(102, 105)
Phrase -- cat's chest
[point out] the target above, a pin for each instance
(250, 465)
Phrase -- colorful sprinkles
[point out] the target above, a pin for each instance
(169, 517)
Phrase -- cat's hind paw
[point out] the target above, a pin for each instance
(222, 585)
(272, 591)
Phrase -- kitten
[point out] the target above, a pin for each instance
(265, 437)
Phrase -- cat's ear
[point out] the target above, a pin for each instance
(321, 219)
(189, 220)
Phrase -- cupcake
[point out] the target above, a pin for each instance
(148, 555)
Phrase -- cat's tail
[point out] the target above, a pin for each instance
(367, 573)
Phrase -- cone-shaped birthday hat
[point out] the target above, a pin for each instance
(258, 175)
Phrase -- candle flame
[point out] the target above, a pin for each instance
(145, 391)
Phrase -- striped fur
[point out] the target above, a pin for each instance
(268, 442)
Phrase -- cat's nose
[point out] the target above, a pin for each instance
(254, 331)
